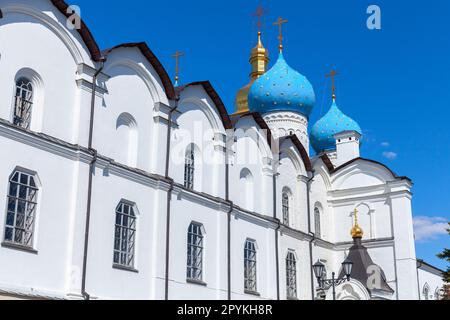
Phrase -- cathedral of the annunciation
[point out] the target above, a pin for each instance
(116, 183)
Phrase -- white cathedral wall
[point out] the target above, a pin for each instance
(198, 123)
(319, 199)
(57, 197)
(250, 152)
(245, 227)
(131, 96)
(432, 281)
(374, 217)
(55, 109)
(294, 179)
(301, 249)
(188, 208)
(104, 281)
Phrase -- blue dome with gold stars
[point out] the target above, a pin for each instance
(282, 89)
(334, 122)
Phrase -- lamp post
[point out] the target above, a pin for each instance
(325, 284)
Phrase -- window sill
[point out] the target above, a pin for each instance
(253, 293)
(15, 246)
(124, 268)
(197, 282)
(292, 299)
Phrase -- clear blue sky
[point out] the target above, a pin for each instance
(394, 82)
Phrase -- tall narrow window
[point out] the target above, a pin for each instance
(125, 235)
(317, 222)
(195, 252)
(21, 211)
(426, 292)
(291, 275)
(189, 168)
(23, 103)
(250, 275)
(286, 204)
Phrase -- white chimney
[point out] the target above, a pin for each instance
(347, 146)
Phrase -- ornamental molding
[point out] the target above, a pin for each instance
(51, 24)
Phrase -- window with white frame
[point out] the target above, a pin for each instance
(250, 275)
(317, 222)
(189, 167)
(125, 235)
(426, 291)
(286, 206)
(23, 103)
(195, 252)
(291, 275)
(21, 209)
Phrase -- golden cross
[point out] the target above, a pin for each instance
(333, 75)
(260, 12)
(356, 216)
(177, 56)
(280, 23)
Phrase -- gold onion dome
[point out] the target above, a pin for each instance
(357, 232)
(259, 59)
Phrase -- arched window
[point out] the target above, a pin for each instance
(286, 198)
(291, 275)
(195, 252)
(21, 209)
(23, 103)
(317, 222)
(189, 167)
(437, 294)
(250, 276)
(426, 291)
(125, 235)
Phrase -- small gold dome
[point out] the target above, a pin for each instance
(357, 232)
(259, 60)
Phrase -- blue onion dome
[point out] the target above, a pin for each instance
(334, 122)
(282, 89)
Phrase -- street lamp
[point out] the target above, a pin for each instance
(325, 284)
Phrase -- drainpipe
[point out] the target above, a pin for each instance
(230, 210)
(277, 255)
(419, 265)
(308, 189)
(169, 198)
(85, 295)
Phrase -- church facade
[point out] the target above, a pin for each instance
(117, 184)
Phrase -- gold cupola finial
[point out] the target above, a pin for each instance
(333, 75)
(259, 60)
(280, 23)
(357, 232)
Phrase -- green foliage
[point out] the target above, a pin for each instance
(445, 255)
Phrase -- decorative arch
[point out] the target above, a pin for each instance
(426, 291)
(38, 96)
(52, 25)
(296, 160)
(146, 77)
(288, 203)
(365, 209)
(212, 119)
(318, 220)
(126, 121)
(218, 103)
(258, 138)
(246, 181)
(154, 62)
